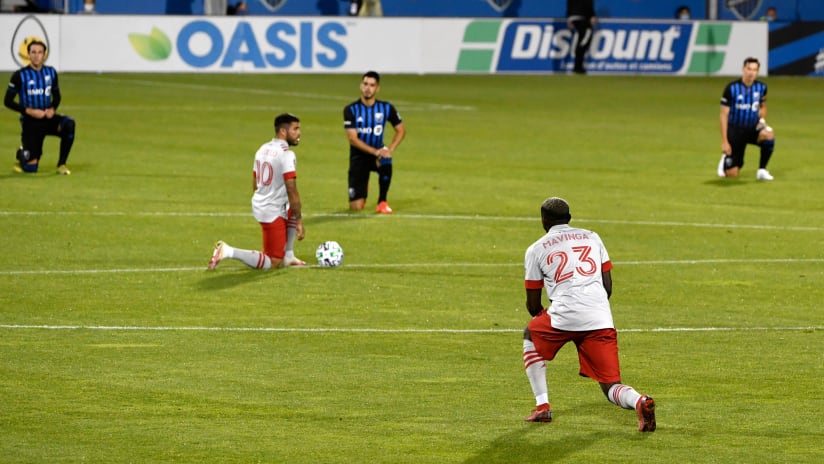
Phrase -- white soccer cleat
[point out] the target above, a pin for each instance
(721, 171)
(763, 174)
(217, 255)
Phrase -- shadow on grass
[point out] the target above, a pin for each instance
(722, 182)
(230, 278)
(521, 446)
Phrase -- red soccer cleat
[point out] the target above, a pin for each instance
(645, 407)
(542, 413)
(383, 208)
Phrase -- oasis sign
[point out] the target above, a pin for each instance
(202, 44)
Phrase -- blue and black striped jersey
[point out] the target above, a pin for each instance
(744, 102)
(36, 89)
(370, 121)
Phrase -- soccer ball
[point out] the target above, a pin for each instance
(329, 254)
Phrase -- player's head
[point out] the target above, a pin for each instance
(36, 42)
(373, 75)
(287, 127)
(370, 84)
(750, 69)
(555, 211)
(36, 52)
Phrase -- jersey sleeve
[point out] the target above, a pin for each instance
(726, 97)
(348, 118)
(56, 98)
(289, 165)
(394, 116)
(533, 277)
(11, 92)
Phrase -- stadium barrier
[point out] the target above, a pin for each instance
(88, 43)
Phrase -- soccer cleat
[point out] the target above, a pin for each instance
(763, 174)
(63, 170)
(217, 255)
(542, 413)
(383, 208)
(17, 167)
(645, 407)
(721, 171)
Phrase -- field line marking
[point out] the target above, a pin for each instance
(413, 265)
(368, 330)
(445, 217)
(302, 95)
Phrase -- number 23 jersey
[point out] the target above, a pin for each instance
(568, 263)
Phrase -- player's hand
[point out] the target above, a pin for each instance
(301, 232)
(726, 148)
(35, 113)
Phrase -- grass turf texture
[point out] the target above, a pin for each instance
(410, 352)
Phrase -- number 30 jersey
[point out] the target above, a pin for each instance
(568, 263)
(274, 164)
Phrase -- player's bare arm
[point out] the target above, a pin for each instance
(294, 204)
(533, 301)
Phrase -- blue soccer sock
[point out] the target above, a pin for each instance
(767, 147)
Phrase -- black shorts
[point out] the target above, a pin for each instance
(739, 137)
(36, 130)
(360, 166)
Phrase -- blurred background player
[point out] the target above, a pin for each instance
(275, 203)
(573, 266)
(581, 17)
(365, 123)
(743, 121)
(37, 91)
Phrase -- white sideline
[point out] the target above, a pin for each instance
(392, 331)
(447, 217)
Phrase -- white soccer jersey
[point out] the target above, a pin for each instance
(274, 163)
(568, 262)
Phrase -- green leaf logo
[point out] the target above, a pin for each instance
(153, 47)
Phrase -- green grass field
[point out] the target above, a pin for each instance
(116, 345)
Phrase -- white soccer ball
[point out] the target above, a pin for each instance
(329, 254)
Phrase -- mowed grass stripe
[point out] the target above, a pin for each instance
(368, 330)
(419, 265)
(446, 217)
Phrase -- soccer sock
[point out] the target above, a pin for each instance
(536, 373)
(767, 147)
(66, 140)
(623, 396)
(251, 258)
(291, 233)
(384, 178)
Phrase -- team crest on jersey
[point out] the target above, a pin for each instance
(379, 117)
(273, 5)
(499, 5)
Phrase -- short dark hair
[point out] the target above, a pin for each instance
(555, 210)
(373, 75)
(285, 120)
(752, 59)
(36, 42)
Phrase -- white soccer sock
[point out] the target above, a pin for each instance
(623, 396)
(536, 373)
(291, 233)
(253, 259)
